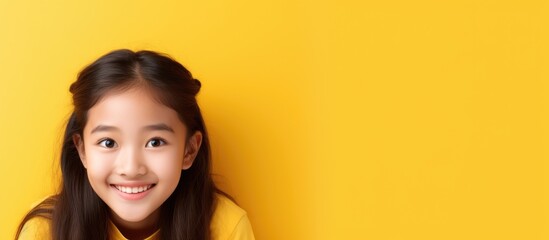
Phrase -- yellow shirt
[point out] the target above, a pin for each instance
(228, 222)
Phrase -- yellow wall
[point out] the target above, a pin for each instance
(329, 119)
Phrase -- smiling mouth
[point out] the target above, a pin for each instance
(133, 190)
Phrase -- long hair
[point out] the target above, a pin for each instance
(77, 212)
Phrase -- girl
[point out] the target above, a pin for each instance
(135, 160)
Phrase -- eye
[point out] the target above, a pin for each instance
(107, 143)
(155, 142)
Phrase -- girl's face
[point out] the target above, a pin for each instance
(134, 149)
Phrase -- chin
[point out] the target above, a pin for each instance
(133, 214)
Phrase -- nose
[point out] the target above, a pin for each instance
(130, 163)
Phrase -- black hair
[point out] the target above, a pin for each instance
(77, 212)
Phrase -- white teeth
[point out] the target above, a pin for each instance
(133, 189)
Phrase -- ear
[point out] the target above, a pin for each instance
(79, 144)
(191, 150)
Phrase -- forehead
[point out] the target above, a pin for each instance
(131, 109)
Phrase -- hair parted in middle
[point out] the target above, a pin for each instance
(77, 212)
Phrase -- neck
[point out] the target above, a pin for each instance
(137, 230)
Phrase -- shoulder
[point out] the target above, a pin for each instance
(38, 223)
(36, 228)
(230, 221)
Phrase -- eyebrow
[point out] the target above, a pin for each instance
(153, 127)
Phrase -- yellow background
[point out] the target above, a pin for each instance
(329, 119)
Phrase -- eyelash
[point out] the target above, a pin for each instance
(162, 141)
(102, 142)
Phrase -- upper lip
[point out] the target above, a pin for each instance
(135, 184)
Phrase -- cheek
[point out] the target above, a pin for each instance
(166, 165)
(99, 165)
